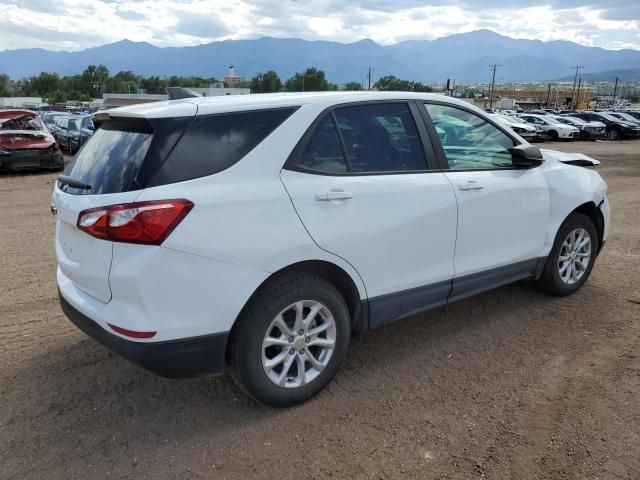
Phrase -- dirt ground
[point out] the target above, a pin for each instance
(511, 384)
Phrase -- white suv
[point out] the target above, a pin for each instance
(255, 233)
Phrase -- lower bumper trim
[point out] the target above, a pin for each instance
(182, 358)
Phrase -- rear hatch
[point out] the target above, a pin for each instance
(109, 165)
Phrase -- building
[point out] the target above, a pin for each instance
(31, 103)
(232, 80)
(219, 91)
(112, 100)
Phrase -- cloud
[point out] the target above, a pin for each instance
(77, 24)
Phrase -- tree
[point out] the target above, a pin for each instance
(56, 97)
(42, 84)
(311, 80)
(4, 85)
(94, 79)
(352, 86)
(268, 82)
(395, 84)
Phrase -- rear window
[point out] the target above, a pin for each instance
(131, 154)
(110, 161)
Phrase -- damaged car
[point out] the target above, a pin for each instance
(26, 143)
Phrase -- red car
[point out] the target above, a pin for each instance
(25, 142)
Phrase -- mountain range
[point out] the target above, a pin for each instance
(464, 57)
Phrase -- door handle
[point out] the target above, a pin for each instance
(470, 185)
(333, 195)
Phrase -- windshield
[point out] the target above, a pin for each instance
(503, 119)
(518, 120)
(624, 116)
(571, 120)
(609, 117)
(75, 123)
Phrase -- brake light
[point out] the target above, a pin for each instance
(148, 223)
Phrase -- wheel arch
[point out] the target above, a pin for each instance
(593, 212)
(336, 276)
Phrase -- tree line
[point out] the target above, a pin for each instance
(96, 80)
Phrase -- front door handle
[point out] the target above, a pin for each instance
(470, 185)
(333, 195)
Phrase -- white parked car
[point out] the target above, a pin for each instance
(254, 233)
(555, 129)
(526, 131)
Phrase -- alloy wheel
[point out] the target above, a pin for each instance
(575, 255)
(298, 344)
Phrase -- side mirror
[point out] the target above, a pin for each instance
(526, 156)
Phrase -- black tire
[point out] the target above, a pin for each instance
(554, 135)
(550, 281)
(613, 134)
(246, 342)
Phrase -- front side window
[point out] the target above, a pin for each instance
(469, 141)
(380, 137)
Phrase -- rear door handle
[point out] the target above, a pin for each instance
(470, 185)
(333, 195)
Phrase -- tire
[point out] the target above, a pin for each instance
(613, 134)
(248, 357)
(556, 281)
(554, 135)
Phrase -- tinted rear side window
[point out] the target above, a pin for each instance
(213, 143)
(110, 161)
(322, 152)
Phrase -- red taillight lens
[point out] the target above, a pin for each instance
(132, 333)
(148, 223)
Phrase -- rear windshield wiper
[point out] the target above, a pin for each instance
(73, 183)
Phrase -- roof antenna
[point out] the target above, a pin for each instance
(176, 93)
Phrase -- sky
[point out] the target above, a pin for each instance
(78, 24)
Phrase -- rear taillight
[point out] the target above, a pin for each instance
(148, 223)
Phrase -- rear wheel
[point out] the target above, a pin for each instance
(554, 135)
(290, 341)
(571, 259)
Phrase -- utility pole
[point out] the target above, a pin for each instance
(573, 89)
(615, 90)
(578, 93)
(493, 84)
(548, 96)
(369, 75)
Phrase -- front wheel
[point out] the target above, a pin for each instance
(613, 134)
(554, 135)
(290, 341)
(571, 259)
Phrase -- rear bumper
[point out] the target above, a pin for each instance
(35, 158)
(186, 357)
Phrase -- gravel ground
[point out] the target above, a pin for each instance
(511, 384)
